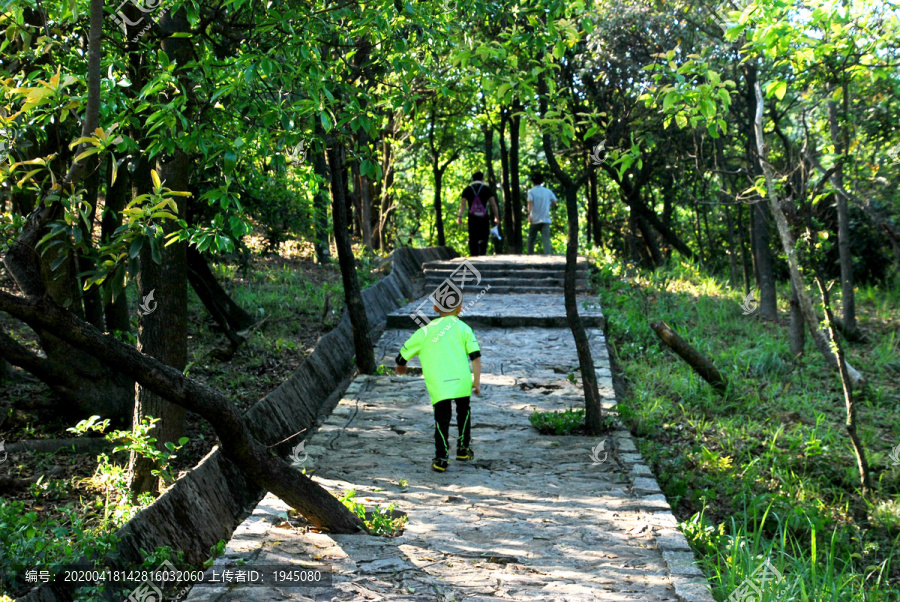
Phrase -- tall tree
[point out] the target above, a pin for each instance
(359, 321)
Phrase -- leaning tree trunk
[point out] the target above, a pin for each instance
(809, 315)
(859, 451)
(230, 316)
(359, 321)
(250, 455)
(701, 364)
(797, 332)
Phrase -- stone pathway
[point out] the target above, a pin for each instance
(533, 518)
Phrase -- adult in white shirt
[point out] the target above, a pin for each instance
(540, 199)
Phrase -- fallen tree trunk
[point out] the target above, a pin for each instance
(237, 443)
(696, 360)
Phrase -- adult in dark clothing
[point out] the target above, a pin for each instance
(477, 200)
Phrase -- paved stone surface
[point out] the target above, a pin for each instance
(533, 518)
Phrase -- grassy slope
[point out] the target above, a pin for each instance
(766, 472)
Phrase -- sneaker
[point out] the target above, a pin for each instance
(439, 464)
(465, 454)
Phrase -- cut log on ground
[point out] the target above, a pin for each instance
(696, 360)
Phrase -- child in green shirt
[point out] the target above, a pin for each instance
(444, 347)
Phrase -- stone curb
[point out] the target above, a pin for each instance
(687, 579)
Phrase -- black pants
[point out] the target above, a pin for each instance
(443, 411)
(479, 233)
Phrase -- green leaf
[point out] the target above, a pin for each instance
(778, 88)
(326, 121)
(229, 161)
(670, 99)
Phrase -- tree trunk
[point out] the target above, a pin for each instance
(162, 333)
(631, 238)
(632, 198)
(93, 303)
(116, 309)
(650, 242)
(438, 209)
(698, 236)
(489, 154)
(787, 243)
(859, 451)
(593, 216)
(732, 249)
(759, 229)
(593, 414)
(237, 442)
(320, 200)
(768, 303)
(593, 410)
(745, 259)
(364, 193)
(492, 179)
(387, 167)
(359, 321)
(515, 187)
(6, 371)
(797, 336)
(848, 297)
(696, 360)
(504, 176)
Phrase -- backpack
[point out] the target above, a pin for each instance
(477, 207)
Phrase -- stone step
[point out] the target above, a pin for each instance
(500, 309)
(497, 272)
(515, 282)
(506, 265)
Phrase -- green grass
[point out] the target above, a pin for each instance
(562, 422)
(765, 472)
(380, 521)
